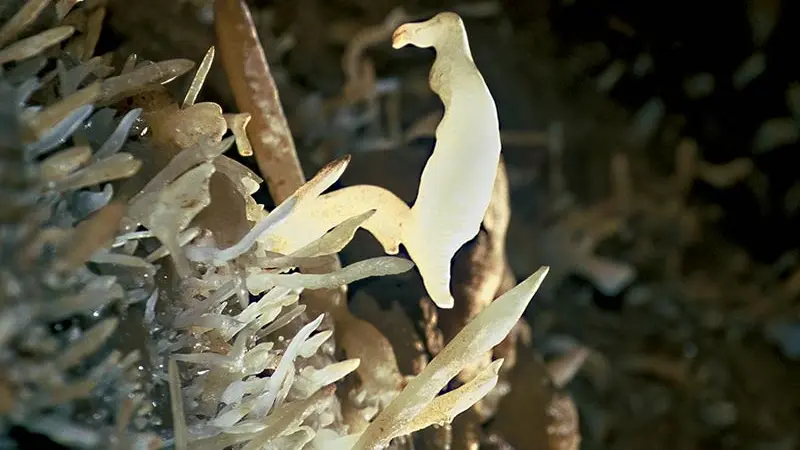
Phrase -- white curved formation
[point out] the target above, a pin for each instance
(457, 181)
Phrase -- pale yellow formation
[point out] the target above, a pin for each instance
(456, 184)
(315, 214)
(420, 404)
